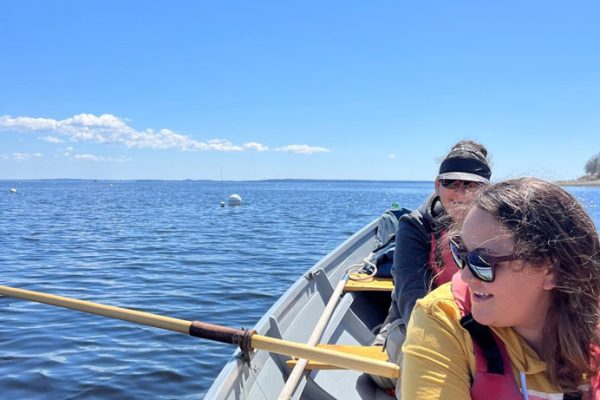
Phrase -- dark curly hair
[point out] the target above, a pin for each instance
(550, 227)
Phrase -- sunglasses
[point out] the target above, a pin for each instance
(481, 264)
(457, 184)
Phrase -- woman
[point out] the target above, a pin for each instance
(529, 281)
(422, 259)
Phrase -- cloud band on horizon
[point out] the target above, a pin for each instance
(110, 129)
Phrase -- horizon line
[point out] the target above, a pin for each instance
(213, 180)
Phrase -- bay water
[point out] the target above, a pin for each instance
(164, 247)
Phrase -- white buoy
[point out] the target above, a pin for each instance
(13, 190)
(234, 200)
(222, 204)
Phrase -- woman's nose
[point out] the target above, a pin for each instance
(466, 275)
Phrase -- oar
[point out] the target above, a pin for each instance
(246, 339)
(296, 374)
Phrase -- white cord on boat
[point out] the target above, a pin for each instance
(356, 269)
(376, 328)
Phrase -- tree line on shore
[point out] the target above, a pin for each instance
(592, 168)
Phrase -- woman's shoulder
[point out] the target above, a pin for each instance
(438, 355)
(415, 223)
(426, 214)
(440, 304)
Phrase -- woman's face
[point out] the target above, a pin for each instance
(519, 297)
(457, 198)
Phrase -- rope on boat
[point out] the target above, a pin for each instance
(359, 272)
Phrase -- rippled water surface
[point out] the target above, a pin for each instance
(166, 248)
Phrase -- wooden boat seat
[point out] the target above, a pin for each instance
(372, 352)
(370, 284)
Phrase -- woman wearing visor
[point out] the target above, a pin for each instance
(520, 320)
(422, 258)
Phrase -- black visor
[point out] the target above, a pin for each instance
(465, 168)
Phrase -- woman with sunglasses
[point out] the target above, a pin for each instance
(520, 320)
(422, 258)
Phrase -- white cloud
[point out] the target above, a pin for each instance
(51, 139)
(392, 156)
(27, 123)
(255, 146)
(109, 129)
(302, 149)
(21, 156)
(220, 145)
(91, 157)
(88, 157)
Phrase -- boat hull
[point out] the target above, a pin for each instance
(294, 316)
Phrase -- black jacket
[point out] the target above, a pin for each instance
(411, 272)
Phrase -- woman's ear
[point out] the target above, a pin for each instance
(437, 184)
(549, 282)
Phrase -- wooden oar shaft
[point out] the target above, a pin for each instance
(139, 317)
(342, 360)
(208, 331)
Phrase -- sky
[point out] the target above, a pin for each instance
(295, 89)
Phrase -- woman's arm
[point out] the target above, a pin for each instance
(411, 264)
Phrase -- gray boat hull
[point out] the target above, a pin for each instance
(294, 316)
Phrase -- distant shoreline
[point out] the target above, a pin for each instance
(592, 183)
(293, 180)
(574, 182)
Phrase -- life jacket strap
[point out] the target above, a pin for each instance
(482, 335)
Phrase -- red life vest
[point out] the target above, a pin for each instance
(442, 274)
(493, 369)
(596, 378)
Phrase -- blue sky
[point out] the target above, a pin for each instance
(324, 90)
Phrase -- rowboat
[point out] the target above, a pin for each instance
(342, 314)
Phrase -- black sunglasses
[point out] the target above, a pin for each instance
(481, 264)
(457, 183)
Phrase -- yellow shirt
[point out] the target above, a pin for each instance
(439, 360)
